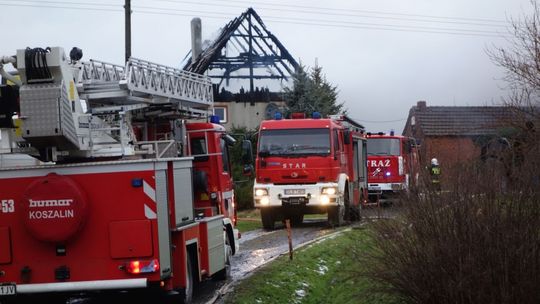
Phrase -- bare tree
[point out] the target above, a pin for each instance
(521, 61)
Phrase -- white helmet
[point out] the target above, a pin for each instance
(434, 162)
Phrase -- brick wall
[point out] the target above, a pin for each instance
(449, 150)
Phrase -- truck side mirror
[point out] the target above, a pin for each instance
(247, 170)
(247, 152)
(228, 139)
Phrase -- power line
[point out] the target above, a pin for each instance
(362, 11)
(336, 24)
(280, 9)
(374, 26)
(485, 22)
(63, 7)
(71, 3)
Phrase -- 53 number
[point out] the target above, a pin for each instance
(8, 206)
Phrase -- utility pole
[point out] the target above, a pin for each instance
(127, 7)
(250, 62)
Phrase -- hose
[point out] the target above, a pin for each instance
(37, 69)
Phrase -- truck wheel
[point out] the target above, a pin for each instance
(358, 212)
(361, 206)
(354, 213)
(349, 212)
(230, 238)
(297, 219)
(267, 218)
(187, 295)
(225, 273)
(335, 215)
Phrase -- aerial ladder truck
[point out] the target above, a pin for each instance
(130, 194)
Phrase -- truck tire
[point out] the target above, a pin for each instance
(187, 295)
(297, 219)
(225, 273)
(349, 210)
(229, 234)
(267, 218)
(336, 215)
(354, 211)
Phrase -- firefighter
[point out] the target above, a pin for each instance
(435, 174)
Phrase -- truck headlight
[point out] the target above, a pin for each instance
(261, 192)
(265, 200)
(324, 199)
(329, 190)
(397, 187)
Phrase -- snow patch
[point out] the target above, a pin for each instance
(277, 285)
(322, 269)
(300, 293)
(331, 237)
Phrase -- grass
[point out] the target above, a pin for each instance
(319, 273)
(315, 216)
(248, 220)
(253, 214)
(247, 225)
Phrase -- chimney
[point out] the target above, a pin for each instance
(421, 105)
(196, 38)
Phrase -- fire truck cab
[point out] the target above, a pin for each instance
(310, 166)
(208, 144)
(392, 165)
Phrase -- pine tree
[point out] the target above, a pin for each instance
(297, 97)
(312, 92)
(324, 94)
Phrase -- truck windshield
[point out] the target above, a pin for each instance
(383, 146)
(294, 142)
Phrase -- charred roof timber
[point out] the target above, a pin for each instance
(244, 49)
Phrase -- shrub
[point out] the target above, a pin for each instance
(477, 242)
(243, 185)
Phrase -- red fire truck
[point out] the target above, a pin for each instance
(310, 166)
(131, 195)
(392, 165)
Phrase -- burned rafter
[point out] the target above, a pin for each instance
(242, 50)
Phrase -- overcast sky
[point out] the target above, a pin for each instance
(383, 55)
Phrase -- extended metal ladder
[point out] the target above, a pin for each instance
(145, 82)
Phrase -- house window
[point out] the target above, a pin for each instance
(221, 112)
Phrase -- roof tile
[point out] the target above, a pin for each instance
(456, 121)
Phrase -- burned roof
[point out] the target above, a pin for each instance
(459, 121)
(254, 45)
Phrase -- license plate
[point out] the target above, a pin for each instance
(8, 289)
(295, 191)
